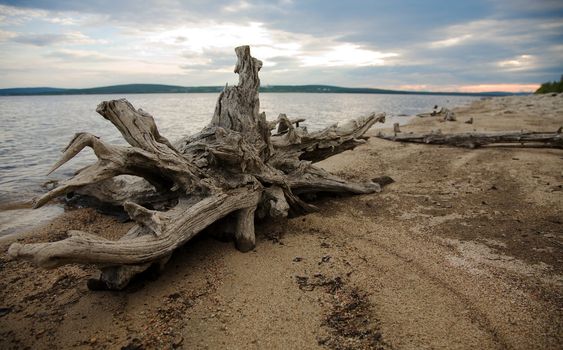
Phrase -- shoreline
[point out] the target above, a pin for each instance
(462, 251)
(22, 181)
(19, 207)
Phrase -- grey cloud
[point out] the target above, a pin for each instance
(526, 8)
(80, 56)
(5, 35)
(152, 14)
(209, 59)
(39, 39)
(515, 28)
(52, 39)
(284, 61)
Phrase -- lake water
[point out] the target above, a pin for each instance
(36, 128)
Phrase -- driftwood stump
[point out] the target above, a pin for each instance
(235, 167)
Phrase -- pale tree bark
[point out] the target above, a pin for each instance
(233, 168)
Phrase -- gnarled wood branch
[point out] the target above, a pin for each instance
(322, 144)
(177, 226)
(233, 168)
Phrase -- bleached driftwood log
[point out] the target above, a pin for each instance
(233, 167)
(475, 139)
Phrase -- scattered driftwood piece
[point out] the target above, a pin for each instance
(444, 113)
(449, 116)
(226, 174)
(475, 139)
(396, 128)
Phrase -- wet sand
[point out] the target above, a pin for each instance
(463, 251)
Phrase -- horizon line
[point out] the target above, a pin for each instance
(61, 90)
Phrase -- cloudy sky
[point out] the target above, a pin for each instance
(479, 45)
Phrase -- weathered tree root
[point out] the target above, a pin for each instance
(475, 140)
(234, 167)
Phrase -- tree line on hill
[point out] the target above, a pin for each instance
(551, 86)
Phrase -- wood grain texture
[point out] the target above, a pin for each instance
(234, 167)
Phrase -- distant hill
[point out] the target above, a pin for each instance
(31, 91)
(158, 88)
(142, 89)
(345, 90)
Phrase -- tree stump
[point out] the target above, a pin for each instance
(234, 168)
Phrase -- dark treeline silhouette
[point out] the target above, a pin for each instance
(551, 86)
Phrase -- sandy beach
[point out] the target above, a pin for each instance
(463, 251)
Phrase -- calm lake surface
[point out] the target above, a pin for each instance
(36, 128)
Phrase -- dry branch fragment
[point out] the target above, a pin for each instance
(475, 140)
